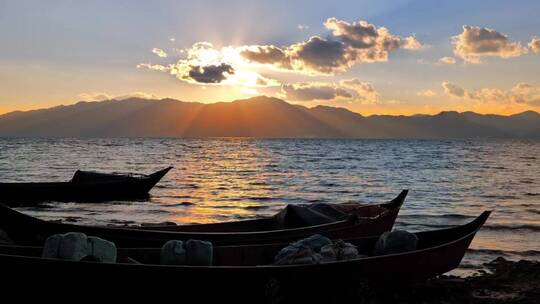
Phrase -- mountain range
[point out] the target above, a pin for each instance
(263, 117)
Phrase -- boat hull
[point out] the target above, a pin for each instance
(439, 251)
(15, 194)
(27, 230)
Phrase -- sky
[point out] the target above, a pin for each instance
(372, 57)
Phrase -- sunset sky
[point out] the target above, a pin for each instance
(383, 57)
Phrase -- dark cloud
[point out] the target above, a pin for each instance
(266, 54)
(320, 55)
(210, 73)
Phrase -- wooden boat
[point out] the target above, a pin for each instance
(361, 210)
(247, 270)
(85, 186)
(27, 230)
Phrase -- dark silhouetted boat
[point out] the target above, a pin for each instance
(84, 186)
(240, 271)
(359, 220)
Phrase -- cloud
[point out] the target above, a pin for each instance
(489, 95)
(476, 42)
(161, 53)
(318, 55)
(362, 90)
(205, 65)
(349, 44)
(99, 96)
(155, 67)
(447, 60)
(96, 96)
(522, 93)
(313, 91)
(525, 93)
(426, 93)
(303, 27)
(363, 35)
(350, 89)
(210, 73)
(266, 54)
(535, 44)
(453, 89)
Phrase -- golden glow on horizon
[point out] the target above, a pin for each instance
(401, 108)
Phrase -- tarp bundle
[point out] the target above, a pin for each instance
(191, 252)
(4, 238)
(314, 250)
(76, 246)
(396, 241)
(294, 216)
(339, 251)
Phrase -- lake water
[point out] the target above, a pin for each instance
(214, 180)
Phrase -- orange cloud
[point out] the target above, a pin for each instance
(535, 44)
(447, 60)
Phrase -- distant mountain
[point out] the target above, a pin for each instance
(255, 117)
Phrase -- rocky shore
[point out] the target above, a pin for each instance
(504, 282)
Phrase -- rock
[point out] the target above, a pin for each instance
(199, 253)
(396, 241)
(173, 253)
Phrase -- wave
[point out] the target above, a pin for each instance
(525, 253)
(260, 198)
(502, 197)
(493, 227)
(447, 215)
(425, 225)
(535, 211)
(499, 227)
(256, 207)
(182, 204)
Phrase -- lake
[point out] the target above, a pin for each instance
(214, 180)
